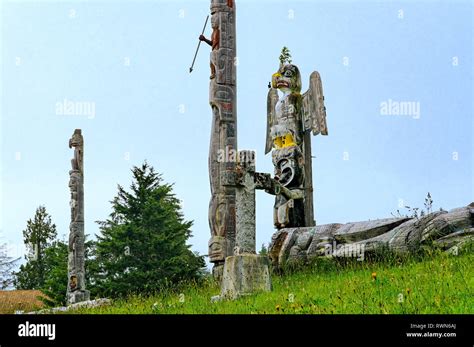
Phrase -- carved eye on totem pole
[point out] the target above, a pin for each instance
(216, 248)
(286, 171)
(73, 181)
(76, 139)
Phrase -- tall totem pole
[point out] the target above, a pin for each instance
(76, 289)
(222, 98)
(291, 117)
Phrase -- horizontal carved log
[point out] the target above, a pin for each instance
(353, 232)
(456, 239)
(400, 235)
(406, 237)
(448, 223)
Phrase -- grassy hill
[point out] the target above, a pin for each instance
(20, 300)
(443, 283)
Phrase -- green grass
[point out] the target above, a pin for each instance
(440, 284)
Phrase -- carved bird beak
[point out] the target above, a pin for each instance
(274, 78)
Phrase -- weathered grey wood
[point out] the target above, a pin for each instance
(353, 232)
(274, 248)
(456, 239)
(378, 242)
(223, 144)
(323, 236)
(284, 254)
(448, 223)
(245, 274)
(314, 111)
(272, 99)
(290, 119)
(245, 204)
(447, 230)
(76, 288)
(308, 182)
(306, 239)
(406, 237)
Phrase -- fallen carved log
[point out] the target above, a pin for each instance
(401, 235)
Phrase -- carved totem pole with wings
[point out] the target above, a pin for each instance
(291, 117)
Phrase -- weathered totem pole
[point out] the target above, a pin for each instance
(245, 272)
(76, 289)
(290, 119)
(222, 98)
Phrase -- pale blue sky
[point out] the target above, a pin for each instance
(79, 51)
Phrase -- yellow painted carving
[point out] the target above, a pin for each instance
(287, 140)
(284, 141)
(274, 77)
(278, 142)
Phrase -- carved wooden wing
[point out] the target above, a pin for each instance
(272, 99)
(314, 111)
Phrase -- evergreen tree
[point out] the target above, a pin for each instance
(38, 236)
(55, 284)
(142, 247)
(92, 267)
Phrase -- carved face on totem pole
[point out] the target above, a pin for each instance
(74, 182)
(76, 139)
(287, 79)
(215, 20)
(76, 291)
(74, 233)
(286, 132)
(217, 249)
(290, 116)
(77, 142)
(73, 283)
(222, 99)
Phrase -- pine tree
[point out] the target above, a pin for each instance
(142, 247)
(38, 236)
(55, 284)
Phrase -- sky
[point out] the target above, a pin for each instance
(129, 61)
